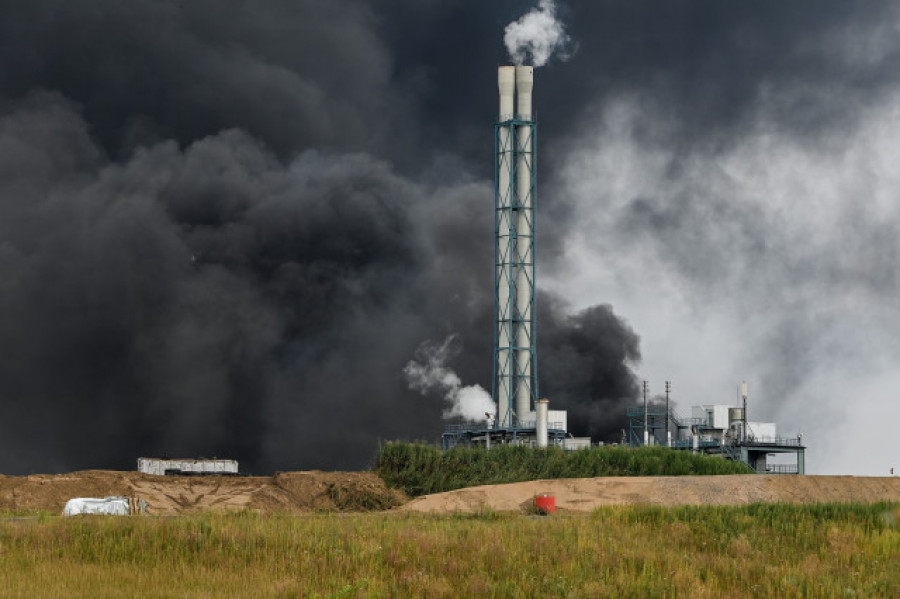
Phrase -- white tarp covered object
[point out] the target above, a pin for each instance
(113, 506)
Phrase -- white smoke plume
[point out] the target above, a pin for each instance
(537, 35)
(429, 375)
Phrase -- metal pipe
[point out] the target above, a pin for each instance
(744, 395)
(646, 423)
(668, 433)
(541, 424)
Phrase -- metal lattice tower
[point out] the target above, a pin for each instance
(515, 382)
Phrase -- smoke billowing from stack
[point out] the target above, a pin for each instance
(537, 35)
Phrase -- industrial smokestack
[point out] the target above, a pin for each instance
(514, 364)
(524, 231)
(524, 87)
(506, 81)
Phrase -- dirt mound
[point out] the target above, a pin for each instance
(586, 494)
(283, 492)
(364, 491)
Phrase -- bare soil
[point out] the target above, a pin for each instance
(166, 495)
(586, 494)
(364, 491)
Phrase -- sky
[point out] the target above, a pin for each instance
(226, 229)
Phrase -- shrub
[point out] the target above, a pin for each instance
(419, 468)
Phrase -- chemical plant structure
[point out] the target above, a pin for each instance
(523, 418)
(720, 430)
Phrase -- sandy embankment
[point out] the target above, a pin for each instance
(586, 494)
(358, 491)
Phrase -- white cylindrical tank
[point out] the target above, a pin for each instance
(524, 231)
(542, 406)
(506, 82)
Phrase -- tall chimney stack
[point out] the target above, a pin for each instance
(515, 377)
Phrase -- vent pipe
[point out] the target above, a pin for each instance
(542, 424)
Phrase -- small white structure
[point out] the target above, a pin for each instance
(576, 443)
(556, 420)
(715, 416)
(201, 466)
(110, 506)
(721, 421)
(762, 432)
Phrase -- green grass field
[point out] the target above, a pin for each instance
(749, 551)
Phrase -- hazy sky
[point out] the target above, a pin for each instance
(225, 227)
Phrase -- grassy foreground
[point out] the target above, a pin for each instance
(748, 551)
(419, 469)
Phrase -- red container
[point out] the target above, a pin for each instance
(545, 504)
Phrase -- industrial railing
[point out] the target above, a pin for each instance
(527, 425)
(785, 441)
(779, 469)
(689, 443)
(659, 412)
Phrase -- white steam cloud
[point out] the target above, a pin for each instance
(429, 374)
(537, 35)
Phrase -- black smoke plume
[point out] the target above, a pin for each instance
(218, 300)
(585, 362)
(226, 227)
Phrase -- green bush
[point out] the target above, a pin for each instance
(419, 468)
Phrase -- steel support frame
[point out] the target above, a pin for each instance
(509, 259)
